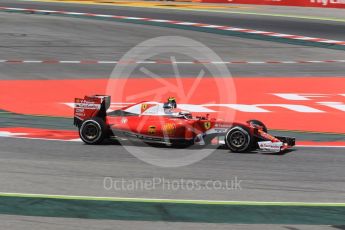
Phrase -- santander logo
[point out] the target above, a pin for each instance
(328, 2)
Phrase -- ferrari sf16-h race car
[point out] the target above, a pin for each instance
(155, 122)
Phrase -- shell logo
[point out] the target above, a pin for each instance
(169, 128)
(151, 130)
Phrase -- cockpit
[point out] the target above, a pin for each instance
(185, 115)
(169, 107)
(150, 108)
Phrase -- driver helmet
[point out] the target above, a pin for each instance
(170, 105)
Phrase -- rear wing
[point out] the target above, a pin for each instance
(89, 107)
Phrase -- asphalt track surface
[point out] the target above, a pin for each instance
(71, 168)
(33, 37)
(307, 174)
(311, 28)
(45, 223)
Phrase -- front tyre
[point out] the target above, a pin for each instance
(238, 139)
(93, 131)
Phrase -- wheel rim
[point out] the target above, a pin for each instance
(90, 131)
(237, 139)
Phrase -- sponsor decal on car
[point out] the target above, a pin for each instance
(328, 2)
(169, 128)
(303, 3)
(222, 125)
(79, 115)
(143, 108)
(79, 110)
(87, 106)
(270, 146)
(151, 130)
(220, 130)
(207, 125)
(148, 109)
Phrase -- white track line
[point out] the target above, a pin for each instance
(164, 200)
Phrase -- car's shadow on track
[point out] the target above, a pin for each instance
(141, 144)
(158, 145)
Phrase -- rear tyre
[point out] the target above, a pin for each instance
(93, 131)
(238, 139)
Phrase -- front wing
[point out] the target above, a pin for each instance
(284, 144)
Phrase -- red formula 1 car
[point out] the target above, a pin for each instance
(155, 122)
